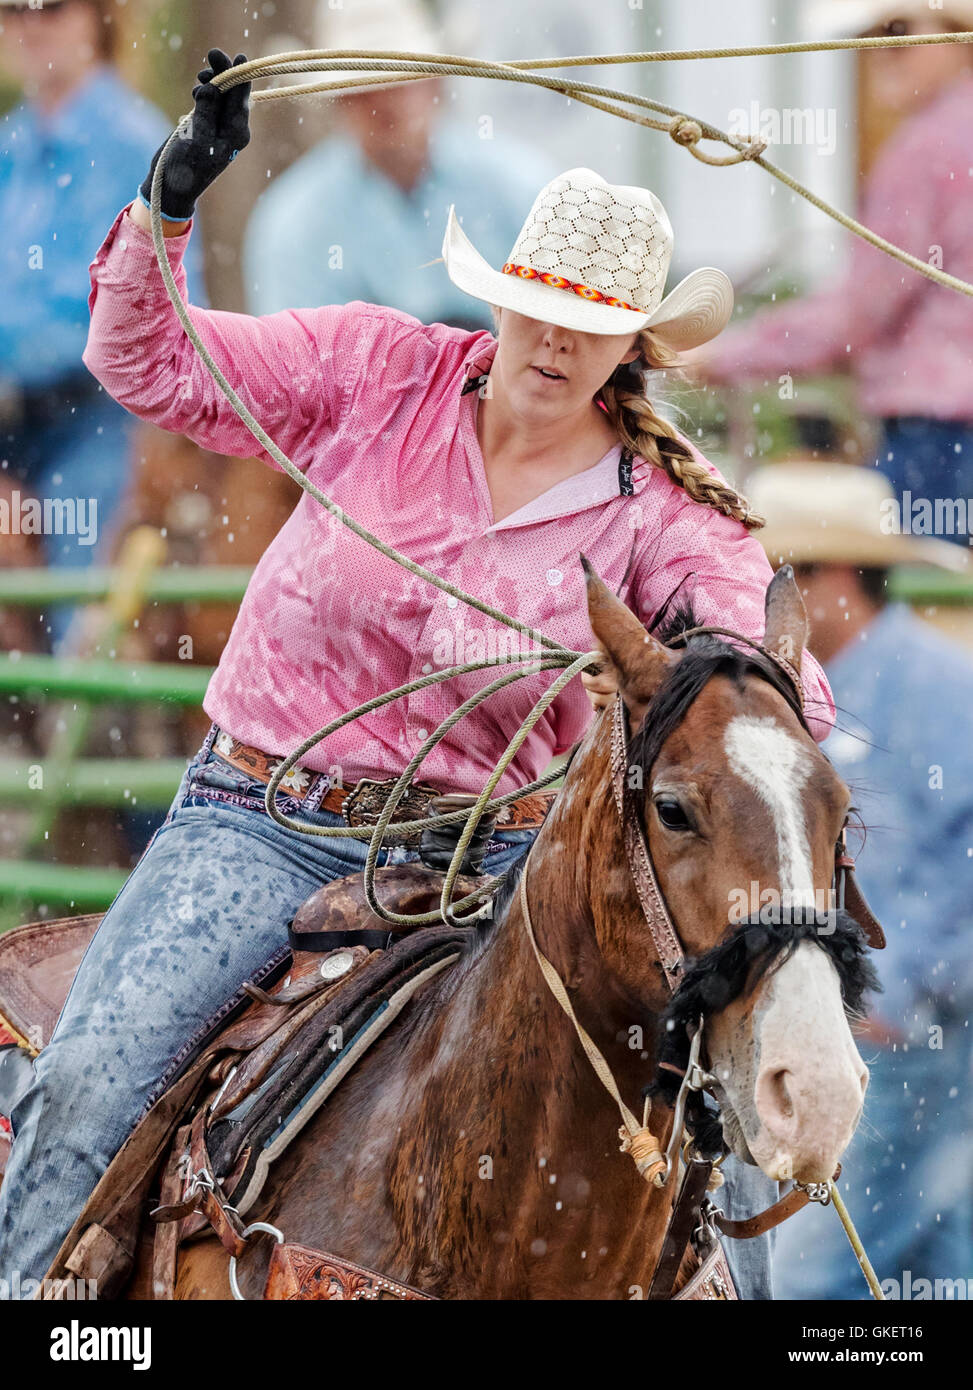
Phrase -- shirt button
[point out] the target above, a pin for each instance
(554, 577)
(422, 734)
(426, 667)
(451, 601)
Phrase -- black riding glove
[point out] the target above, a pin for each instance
(437, 844)
(218, 131)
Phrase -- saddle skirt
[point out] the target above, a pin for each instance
(346, 974)
(37, 965)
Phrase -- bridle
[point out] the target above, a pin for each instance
(637, 1138)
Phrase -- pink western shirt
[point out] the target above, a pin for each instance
(367, 402)
(908, 341)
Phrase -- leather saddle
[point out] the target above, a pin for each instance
(38, 961)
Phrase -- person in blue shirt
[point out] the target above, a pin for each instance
(359, 216)
(903, 741)
(72, 154)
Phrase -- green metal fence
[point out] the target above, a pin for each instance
(36, 790)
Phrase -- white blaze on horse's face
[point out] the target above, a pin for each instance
(776, 765)
(793, 1078)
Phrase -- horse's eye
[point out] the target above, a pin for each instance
(671, 814)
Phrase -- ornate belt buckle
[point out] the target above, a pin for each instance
(363, 804)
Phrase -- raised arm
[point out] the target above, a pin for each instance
(289, 368)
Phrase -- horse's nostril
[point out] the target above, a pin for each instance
(781, 1094)
(777, 1098)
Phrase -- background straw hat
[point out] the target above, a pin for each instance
(402, 25)
(593, 256)
(835, 513)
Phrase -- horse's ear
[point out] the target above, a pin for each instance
(641, 661)
(786, 617)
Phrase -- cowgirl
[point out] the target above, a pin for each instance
(493, 461)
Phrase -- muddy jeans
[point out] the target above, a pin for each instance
(206, 907)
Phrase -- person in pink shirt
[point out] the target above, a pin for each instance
(907, 341)
(494, 461)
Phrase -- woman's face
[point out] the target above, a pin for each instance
(582, 362)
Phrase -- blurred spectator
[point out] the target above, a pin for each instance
(71, 154)
(908, 342)
(361, 214)
(902, 743)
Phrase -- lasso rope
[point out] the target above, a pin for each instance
(685, 130)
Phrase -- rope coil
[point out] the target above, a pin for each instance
(644, 1149)
(386, 65)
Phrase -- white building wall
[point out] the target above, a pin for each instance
(740, 217)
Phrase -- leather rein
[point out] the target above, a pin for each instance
(692, 1209)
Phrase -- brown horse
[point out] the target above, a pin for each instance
(473, 1152)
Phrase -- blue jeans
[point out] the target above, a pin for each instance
(929, 458)
(205, 908)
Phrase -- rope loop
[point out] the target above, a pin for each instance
(399, 67)
(688, 132)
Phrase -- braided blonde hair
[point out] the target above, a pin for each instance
(646, 434)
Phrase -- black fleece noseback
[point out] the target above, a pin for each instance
(749, 951)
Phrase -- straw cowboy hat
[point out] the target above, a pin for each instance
(593, 256)
(400, 25)
(835, 513)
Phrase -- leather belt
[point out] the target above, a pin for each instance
(362, 804)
